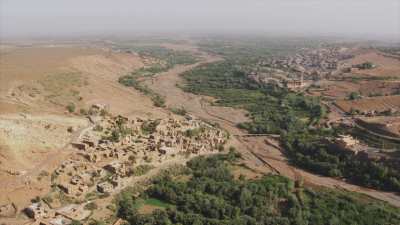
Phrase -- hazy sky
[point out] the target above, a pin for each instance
(74, 17)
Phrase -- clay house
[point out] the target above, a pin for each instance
(60, 220)
(79, 146)
(295, 84)
(39, 210)
(75, 187)
(74, 212)
(75, 180)
(116, 181)
(347, 143)
(114, 166)
(89, 142)
(105, 187)
(117, 168)
(167, 150)
(100, 106)
(93, 156)
(8, 210)
(331, 65)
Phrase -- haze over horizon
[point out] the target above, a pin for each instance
(49, 18)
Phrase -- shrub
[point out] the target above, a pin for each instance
(149, 127)
(71, 107)
(98, 128)
(179, 111)
(158, 101)
(354, 95)
(83, 111)
(91, 206)
(75, 222)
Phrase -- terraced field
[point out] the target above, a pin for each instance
(380, 104)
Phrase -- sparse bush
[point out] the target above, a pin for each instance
(103, 112)
(158, 100)
(44, 173)
(48, 199)
(179, 111)
(147, 159)
(83, 111)
(96, 222)
(70, 129)
(91, 206)
(71, 107)
(149, 127)
(191, 133)
(105, 195)
(141, 170)
(354, 95)
(54, 176)
(111, 207)
(98, 128)
(92, 111)
(75, 222)
(36, 199)
(115, 135)
(132, 158)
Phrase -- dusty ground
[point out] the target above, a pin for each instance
(103, 72)
(21, 69)
(34, 78)
(36, 134)
(36, 83)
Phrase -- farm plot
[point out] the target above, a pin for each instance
(374, 104)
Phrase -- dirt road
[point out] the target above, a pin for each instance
(259, 152)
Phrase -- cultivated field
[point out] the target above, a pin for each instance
(387, 125)
(380, 104)
(342, 89)
(385, 66)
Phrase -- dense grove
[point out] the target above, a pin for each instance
(271, 108)
(311, 151)
(295, 117)
(131, 80)
(212, 196)
(168, 56)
